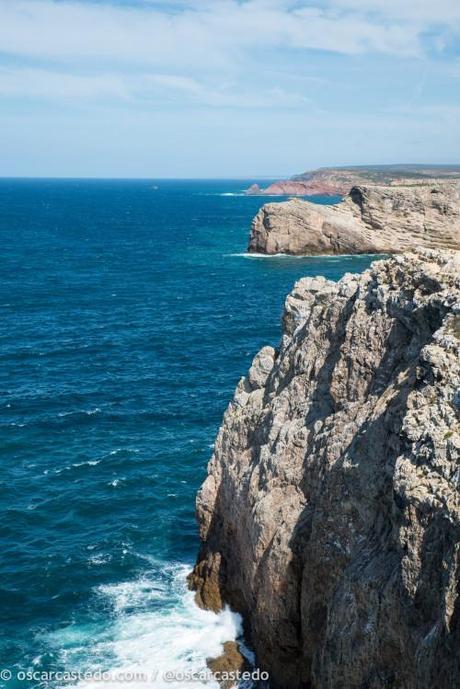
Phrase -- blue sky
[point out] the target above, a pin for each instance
(221, 88)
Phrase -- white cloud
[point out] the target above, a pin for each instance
(45, 84)
(206, 35)
(138, 89)
(421, 12)
(211, 52)
(155, 77)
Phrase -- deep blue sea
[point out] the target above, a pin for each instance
(129, 311)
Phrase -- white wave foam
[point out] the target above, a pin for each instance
(75, 465)
(99, 559)
(155, 628)
(124, 449)
(324, 257)
(246, 254)
(88, 412)
(89, 463)
(116, 482)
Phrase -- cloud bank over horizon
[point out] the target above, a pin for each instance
(194, 88)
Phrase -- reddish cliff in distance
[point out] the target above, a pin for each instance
(339, 181)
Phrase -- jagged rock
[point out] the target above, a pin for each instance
(229, 664)
(330, 517)
(254, 189)
(369, 220)
(205, 580)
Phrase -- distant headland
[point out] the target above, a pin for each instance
(333, 181)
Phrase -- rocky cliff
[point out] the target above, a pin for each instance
(368, 220)
(330, 516)
(330, 181)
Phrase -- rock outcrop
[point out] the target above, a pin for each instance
(230, 664)
(330, 515)
(369, 220)
(291, 187)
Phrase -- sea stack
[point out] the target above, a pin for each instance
(330, 516)
(380, 220)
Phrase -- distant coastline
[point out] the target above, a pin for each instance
(338, 181)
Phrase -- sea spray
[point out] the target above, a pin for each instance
(154, 634)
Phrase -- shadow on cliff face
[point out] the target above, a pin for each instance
(359, 617)
(215, 570)
(344, 542)
(437, 597)
(342, 502)
(219, 566)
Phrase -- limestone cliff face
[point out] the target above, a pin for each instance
(330, 516)
(368, 220)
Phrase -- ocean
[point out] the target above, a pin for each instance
(129, 312)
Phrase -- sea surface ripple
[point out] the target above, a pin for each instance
(128, 315)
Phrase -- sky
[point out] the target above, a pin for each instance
(226, 88)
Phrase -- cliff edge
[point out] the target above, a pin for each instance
(330, 515)
(369, 220)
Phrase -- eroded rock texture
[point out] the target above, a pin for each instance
(330, 514)
(368, 220)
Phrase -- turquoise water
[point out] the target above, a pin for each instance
(128, 315)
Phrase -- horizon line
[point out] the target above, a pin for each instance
(138, 179)
(244, 176)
